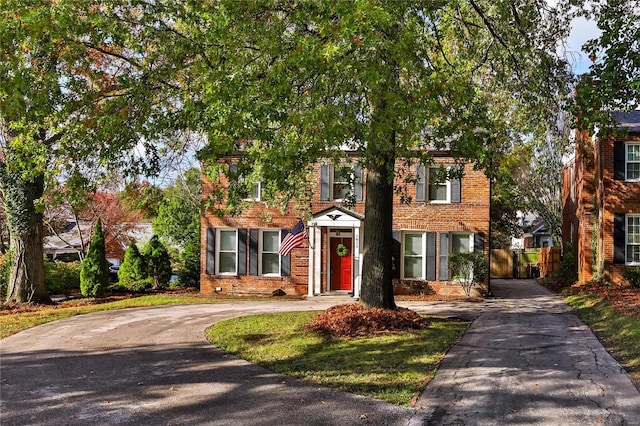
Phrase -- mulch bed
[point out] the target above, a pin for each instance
(354, 320)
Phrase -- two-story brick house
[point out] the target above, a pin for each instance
(601, 201)
(240, 253)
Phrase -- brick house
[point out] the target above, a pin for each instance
(240, 253)
(601, 201)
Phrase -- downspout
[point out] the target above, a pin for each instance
(489, 292)
(603, 273)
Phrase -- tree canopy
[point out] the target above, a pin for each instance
(613, 80)
(88, 86)
(84, 87)
(290, 84)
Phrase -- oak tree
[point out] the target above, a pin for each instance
(84, 87)
(290, 84)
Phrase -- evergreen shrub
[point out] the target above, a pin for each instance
(94, 272)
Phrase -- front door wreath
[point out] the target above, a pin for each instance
(342, 250)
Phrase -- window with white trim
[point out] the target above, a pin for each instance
(632, 161)
(341, 182)
(418, 250)
(439, 187)
(341, 187)
(269, 256)
(461, 242)
(436, 185)
(256, 191)
(633, 240)
(227, 251)
(413, 262)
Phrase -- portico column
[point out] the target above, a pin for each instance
(357, 262)
(311, 266)
(317, 264)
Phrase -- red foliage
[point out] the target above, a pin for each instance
(116, 222)
(354, 320)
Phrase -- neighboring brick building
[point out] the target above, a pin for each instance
(239, 253)
(601, 202)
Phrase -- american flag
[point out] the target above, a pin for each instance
(293, 239)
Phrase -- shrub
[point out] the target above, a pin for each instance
(62, 277)
(133, 268)
(158, 262)
(5, 270)
(468, 269)
(565, 274)
(140, 286)
(94, 272)
(189, 270)
(632, 275)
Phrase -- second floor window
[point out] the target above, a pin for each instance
(433, 186)
(633, 161)
(339, 183)
(239, 183)
(626, 161)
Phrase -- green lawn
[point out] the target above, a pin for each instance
(392, 367)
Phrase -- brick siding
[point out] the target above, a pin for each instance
(598, 196)
(471, 215)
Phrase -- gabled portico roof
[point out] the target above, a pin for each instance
(337, 216)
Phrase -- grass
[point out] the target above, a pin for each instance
(619, 333)
(393, 367)
(12, 322)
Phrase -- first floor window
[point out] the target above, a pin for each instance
(633, 240)
(269, 256)
(419, 255)
(227, 251)
(413, 256)
(461, 243)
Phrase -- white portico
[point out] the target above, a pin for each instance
(336, 233)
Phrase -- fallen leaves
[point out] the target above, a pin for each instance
(625, 300)
(354, 320)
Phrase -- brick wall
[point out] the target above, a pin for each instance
(598, 196)
(618, 196)
(471, 215)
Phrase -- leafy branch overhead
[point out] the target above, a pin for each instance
(88, 87)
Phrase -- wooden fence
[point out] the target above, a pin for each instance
(549, 260)
(530, 263)
(501, 263)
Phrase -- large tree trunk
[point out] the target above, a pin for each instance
(377, 274)
(26, 280)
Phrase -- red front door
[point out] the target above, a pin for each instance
(340, 266)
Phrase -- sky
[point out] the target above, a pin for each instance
(582, 30)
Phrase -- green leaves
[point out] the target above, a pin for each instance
(613, 81)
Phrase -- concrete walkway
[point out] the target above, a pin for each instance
(524, 360)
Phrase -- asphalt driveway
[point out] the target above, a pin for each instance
(526, 359)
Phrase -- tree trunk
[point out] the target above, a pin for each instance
(24, 221)
(377, 274)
